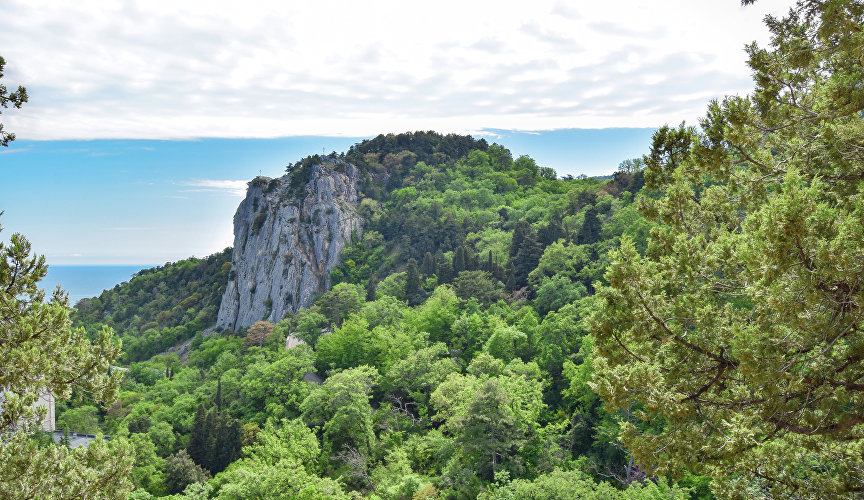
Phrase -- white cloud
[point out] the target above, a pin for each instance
(159, 69)
(233, 188)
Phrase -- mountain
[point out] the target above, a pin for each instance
(289, 234)
(432, 279)
(159, 307)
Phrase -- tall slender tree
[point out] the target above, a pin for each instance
(198, 438)
(525, 252)
(459, 259)
(590, 230)
(428, 266)
(413, 291)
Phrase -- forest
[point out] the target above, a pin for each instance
(690, 328)
(476, 302)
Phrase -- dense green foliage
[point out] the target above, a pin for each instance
(689, 326)
(740, 330)
(160, 307)
(438, 375)
(40, 354)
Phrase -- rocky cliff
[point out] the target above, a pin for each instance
(288, 235)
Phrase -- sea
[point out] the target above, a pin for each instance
(86, 281)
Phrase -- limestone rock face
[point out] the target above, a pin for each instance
(288, 235)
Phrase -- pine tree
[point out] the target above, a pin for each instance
(16, 99)
(256, 333)
(39, 354)
(741, 328)
(489, 430)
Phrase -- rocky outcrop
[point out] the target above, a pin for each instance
(288, 235)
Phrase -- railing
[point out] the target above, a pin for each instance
(80, 435)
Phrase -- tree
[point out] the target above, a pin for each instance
(16, 99)
(309, 325)
(740, 331)
(459, 259)
(556, 292)
(147, 472)
(82, 419)
(341, 408)
(525, 252)
(576, 484)
(428, 266)
(225, 441)
(162, 436)
(413, 292)
(444, 269)
(479, 285)
(393, 286)
(256, 333)
(198, 439)
(282, 464)
(276, 389)
(39, 354)
(340, 301)
(181, 471)
(418, 374)
(590, 230)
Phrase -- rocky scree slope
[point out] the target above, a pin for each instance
(289, 234)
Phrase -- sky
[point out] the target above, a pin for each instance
(147, 118)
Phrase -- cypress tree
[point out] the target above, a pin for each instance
(413, 291)
(551, 232)
(371, 286)
(459, 260)
(226, 440)
(471, 261)
(198, 439)
(444, 269)
(428, 267)
(219, 393)
(525, 252)
(65, 440)
(231, 442)
(211, 433)
(590, 230)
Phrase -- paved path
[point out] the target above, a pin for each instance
(76, 439)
